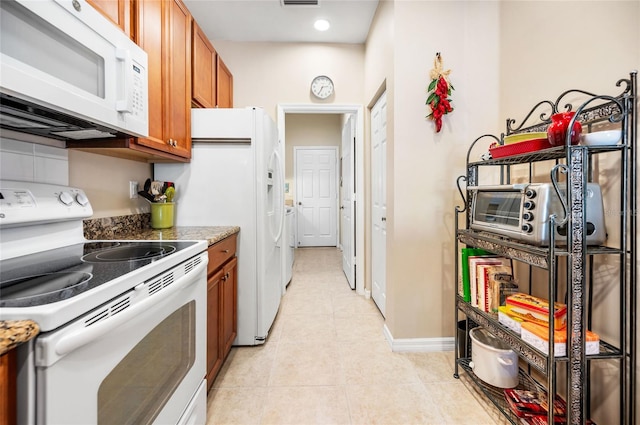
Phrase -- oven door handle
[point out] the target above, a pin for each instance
(76, 339)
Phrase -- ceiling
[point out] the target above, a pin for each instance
(270, 20)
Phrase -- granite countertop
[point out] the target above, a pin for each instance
(15, 332)
(211, 234)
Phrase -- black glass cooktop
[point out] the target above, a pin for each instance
(62, 273)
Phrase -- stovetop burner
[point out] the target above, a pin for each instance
(141, 251)
(58, 274)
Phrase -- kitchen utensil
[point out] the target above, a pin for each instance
(147, 185)
(162, 215)
(156, 188)
(146, 195)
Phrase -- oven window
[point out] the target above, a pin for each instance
(140, 385)
(500, 208)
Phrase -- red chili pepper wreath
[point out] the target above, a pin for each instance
(439, 90)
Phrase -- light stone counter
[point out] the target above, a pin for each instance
(16, 332)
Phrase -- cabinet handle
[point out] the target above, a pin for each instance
(226, 276)
(226, 251)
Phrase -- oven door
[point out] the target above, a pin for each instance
(139, 359)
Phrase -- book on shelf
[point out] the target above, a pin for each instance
(464, 288)
(495, 283)
(477, 276)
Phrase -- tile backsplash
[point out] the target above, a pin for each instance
(24, 161)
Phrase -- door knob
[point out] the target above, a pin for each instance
(342, 207)
(299, 203)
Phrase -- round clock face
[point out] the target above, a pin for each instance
(322, 87)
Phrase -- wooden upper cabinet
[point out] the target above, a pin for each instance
(203, 69)
(224, 87)
(164, 32)
(118, 11)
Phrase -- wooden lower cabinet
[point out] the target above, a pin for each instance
(8, 388)
(222, 302)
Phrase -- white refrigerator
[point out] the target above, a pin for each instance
(236, 178)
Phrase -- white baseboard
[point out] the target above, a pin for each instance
(418, 345)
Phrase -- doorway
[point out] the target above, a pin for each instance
(358, 171)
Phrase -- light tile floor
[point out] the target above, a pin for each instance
(326, 361)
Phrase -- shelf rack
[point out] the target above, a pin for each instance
(576, 161)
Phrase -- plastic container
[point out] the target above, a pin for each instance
(162, 215)
(492, 360)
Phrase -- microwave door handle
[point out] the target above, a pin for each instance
(125, 105)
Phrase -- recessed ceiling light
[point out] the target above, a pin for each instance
(321, 25)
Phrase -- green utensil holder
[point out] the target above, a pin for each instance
(162, 215)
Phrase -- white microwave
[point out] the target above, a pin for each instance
(68, 73)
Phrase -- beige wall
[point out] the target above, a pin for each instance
(106, 182)
(265, 74)
(421, 189)
(309, 130)
(608, 51)
(378, 77)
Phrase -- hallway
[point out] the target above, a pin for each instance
(326, 361)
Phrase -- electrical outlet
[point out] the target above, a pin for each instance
(133, 190)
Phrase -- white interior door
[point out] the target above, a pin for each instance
(316, 196)
(347, 209)
(379, 202)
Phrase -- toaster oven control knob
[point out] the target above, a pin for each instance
(82, 199)
(528, 216)
(527, 228)
(529, 205)
(65, 198)
(530, 193)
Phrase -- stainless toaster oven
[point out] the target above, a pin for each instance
(521, 212)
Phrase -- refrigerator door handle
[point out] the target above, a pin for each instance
(281, 186)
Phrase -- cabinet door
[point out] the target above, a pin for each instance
(229, 305)
(164, 32)
(8, 388)
(224, 85)
(203, 69)
(214, 316)
(117, 11)
(149, 37)
(177, 88)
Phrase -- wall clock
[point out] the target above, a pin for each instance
(322, 87)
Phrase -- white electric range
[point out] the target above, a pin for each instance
(122, 323)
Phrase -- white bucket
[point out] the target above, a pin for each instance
(492, 360)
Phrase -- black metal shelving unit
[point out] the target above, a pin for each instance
(577, 257)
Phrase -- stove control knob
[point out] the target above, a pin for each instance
(82, 199)
(65, 198)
